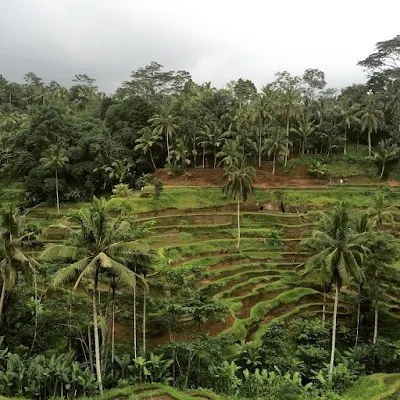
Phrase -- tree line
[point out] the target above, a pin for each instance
(79, 141)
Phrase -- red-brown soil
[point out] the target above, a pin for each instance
(297, 177)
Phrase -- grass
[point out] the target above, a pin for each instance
(152, 391)
(239, 329)
(176, 253)
(375, 387)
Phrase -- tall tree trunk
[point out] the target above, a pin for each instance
(238, 224)
(369, 142)
(166, 133)
(90, 348)
(2, 296)
(287, 140)
(259, 148)
(36, 314)
(134, 319)
(345, 140)
(324, 307)
(96, 336)
(358, 140)
(194, 155)
(152, 159)
(273, 163)
(204, 156)
(382, 171)
(58, 200)
(358, 316)
(334, 327)
(376, 323)
(113, 331)
(215, 157)
(144, 321)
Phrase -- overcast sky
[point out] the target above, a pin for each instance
(215, 40)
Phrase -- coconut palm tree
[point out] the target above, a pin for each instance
(213, 134)
(276, 145)
(239, 186)
(289, 107)
(371, 118)
(101, 249)
(229, 153)
(164, 124)
(262, 115)
(14, 260)
(338, 252)
(393, 103)
(348, 118)
(384, 153)
(381, 212)
(146, 141)
(304, 129)
(55, 158)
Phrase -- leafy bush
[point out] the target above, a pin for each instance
(158, 187)
(121, 190)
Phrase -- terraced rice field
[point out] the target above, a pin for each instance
(259, 282)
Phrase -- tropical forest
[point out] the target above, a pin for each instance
(177, 241)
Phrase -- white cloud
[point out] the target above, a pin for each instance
(215, 40)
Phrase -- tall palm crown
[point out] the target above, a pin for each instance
(276, 145)
(371, 118)
(229, 153)
(146, 141)
(240, 185)
(348, 118)
(304, 129)
(338, 252)
(164, 124)
(384, 153)
(213, 136)
(55, 158)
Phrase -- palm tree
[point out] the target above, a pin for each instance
(263, 115)
(204, 143)
(393, 104)
(381, 212)
(229, 153)
(180, 153)
(146, 141)
(384, 153)
(338, 252)
(290, 105)
(102, 248)
(305, 129)
(276, 145)
(239, 186)
(213, 135)
(119, 170)
(348, 118)
(14, 260)
(55, 158)
(85, 95)
(164, 124)
(371, 118)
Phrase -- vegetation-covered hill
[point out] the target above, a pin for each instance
(176, 234)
